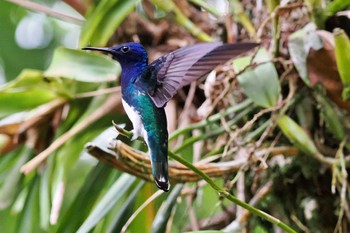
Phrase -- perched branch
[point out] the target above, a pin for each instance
(127, 159)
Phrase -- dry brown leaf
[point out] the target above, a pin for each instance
(322, 68)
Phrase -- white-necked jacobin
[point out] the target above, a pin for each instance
(146, 88)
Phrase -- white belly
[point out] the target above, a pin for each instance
(134, 116)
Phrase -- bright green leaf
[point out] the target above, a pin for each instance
(296, 135)
(82, 66)
(104, 20)
(337, 5)
(342, 54)
(28, 91)
(260, 83)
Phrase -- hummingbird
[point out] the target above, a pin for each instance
(146, 88)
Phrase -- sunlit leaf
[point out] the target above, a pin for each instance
(342, 54)
(337, 5)
(260, 83)
(28, 91)
(82, 66)
(104, 20)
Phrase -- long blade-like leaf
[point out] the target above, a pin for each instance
(163, 215)
(85, 199)
(104, 20)
(117, 190)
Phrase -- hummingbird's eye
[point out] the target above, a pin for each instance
(125, 49)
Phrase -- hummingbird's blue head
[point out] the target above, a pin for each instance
(126, 54)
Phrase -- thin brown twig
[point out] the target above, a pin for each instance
(147, 202)
(108, 106)
(44, 9)
(242, 219)
(99, 92)
(276, 12)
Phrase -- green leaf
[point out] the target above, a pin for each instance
(299, 45)
(28, 91)
(30, 217)
(163, 214)
(44, 200)
(337, 5)
(85, 199)
(173, 10)
(342, 54)
(296, 135)
(125, 211)
(82, 66)
(260, 83)
(9, 189)
(334, 122)
(104, 20)
(113, 195)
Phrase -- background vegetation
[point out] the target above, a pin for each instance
(270, 128)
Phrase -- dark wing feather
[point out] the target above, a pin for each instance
(183, 66)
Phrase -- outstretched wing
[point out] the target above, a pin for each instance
(180, 67)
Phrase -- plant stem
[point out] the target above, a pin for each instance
(215, 132)
(226, 194)
(272, 5)
(170, 7)
(244, 104)
(242, 17)
(206, 6)
(232, 198)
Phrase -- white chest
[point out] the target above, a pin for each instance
(134, 116)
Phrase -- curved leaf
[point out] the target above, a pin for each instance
(260, 83)
(103, 21)
(82, 66)
(299, 45)
(163, 215)
(113, 195)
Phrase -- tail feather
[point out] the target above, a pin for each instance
(158, 147)
(160, 174)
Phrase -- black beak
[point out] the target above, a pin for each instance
(106, 50)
